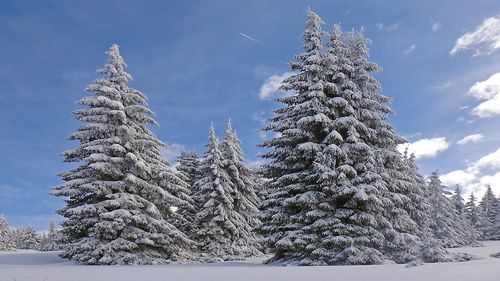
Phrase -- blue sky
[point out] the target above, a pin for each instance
(203, 61)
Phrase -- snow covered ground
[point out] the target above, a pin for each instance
(47, 266)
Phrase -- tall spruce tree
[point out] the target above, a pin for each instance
(472, 215)
(489, 211)
(402, 193)
(242, 178)
(448, 227)
(7, 242)
(118, 207)
(458, 202)
(296, 202)
(221, 232)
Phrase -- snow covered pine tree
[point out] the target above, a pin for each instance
(340, 192)
(489, 211)
(27, 238)
(222, 233)
(52, 241)
(6, 236)
(244, 185)
(449, 228)
(118, 206)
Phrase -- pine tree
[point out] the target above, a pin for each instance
(27, 238)
(7, 242)
(458, 202)
(403, 194)
(296, 201)
(120, 197)
(244, 186)
(53, 240)
(242, 178)
(472, 215)
(449, 228)
(488, 211)
(188, 166)
(220, 230)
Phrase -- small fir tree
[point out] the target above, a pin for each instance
(7, 242)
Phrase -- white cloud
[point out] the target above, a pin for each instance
(478, 174)
(271, 86)
(488, 91)
(489, 161)
(381, 27)
(484, 40)
(410, 49)
(471, 139)
(171, 151)
(443, 86)
(458, 177)
(435, 26)
(425, 147)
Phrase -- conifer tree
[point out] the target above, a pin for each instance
(188, 166)
(472, 215)
(242, 178)
(488, 211)
(52, 241)
(458, 202)
(27, 238)
(119, 199)
(296, 200)
(7, 242)
(221, 232)
(448, 228)
(402, 193)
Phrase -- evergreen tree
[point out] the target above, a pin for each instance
(120, 197)
(296, 201)
(188, 166)
(7, 242)
(52, 241)
(402, 194)
(221, 232)
(488, 211)
(448, 228)
(27, 238)
(242, 178)
(458, 202)
(472, 215)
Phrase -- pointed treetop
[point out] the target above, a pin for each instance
(115, 67)
(211, 134)
(313, 31)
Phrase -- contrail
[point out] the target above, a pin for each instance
(250, 38)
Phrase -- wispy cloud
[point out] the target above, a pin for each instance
(443, 86)
(471, 139)
(409, 50)
(435, 26)
(271, 86)
(425, 148)
(488, 91)
(250, 38)
(382, 27)
(484, 40)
